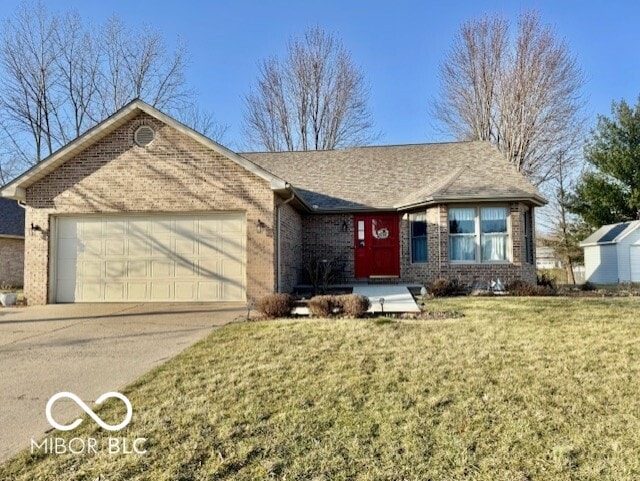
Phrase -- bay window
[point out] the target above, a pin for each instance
(478, 234)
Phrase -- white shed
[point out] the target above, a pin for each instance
(612, 253)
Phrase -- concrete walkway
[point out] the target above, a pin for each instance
(396, 298)
(87, 349)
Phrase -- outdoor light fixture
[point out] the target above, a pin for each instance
(35, 228)
(260, 225)
(345, 226)
(381, 301)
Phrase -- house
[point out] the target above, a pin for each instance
(612, 253)
(546, 258)
(11, 243)
(142, 208)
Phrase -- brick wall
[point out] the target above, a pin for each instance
(290, 247)
(11, 262)
(474, 273)
(324, 237)
(172, 174)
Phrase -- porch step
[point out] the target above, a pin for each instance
(396, 298)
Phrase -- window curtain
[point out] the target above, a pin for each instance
(462, 247)
(418, 238)
(494, 233)
(462, 221)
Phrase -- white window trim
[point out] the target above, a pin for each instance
(426, 239)
(477, 235)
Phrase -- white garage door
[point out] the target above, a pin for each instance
(150, 258)
(635, 263)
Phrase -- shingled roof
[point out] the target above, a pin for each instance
(399, 176)
(11, 218)
(611, 233)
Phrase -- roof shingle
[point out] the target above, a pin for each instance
(11, 218)
(393, 177)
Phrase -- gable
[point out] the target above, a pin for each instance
(116, 174)
(16, 189)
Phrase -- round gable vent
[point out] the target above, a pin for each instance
(144, 135)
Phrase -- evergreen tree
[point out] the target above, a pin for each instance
(610, 191)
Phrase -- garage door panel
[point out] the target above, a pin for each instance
(92, 269)
(91, 228)
(151, 258)
(90, 247)
(186, 269)
(161, 269)
(91, 291)
(185, 291)
(137, 269)
(114, 247)
(186, 246)
(137, 291)
(115, 291)
(209, 290)
(115, 269)
(115, 227)
(161, 291)
(138, 245)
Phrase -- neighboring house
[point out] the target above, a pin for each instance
(142, 208)
(546, 258)
(612, 254)
(11, 243)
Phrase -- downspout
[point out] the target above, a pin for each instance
(439, 242)
(278, 254)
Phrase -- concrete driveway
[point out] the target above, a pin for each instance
(87, 349)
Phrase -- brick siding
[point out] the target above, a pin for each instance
(173, 174)
(11, 262)
(324, 238)
(290, 247)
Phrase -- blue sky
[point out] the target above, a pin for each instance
(399, 46)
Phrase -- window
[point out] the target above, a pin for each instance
(493, 233)
(478, 234)
(418, 224)
(462, 245)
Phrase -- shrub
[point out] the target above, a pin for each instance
(275, 305)
(588, 286)
(522, 288)
(354, 305)
(545, 280)
(323, 306)
(442, 287)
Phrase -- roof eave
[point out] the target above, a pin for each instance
(536, 200)
(16, 189)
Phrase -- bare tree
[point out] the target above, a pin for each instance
(203, 122)
(563, 230)
(28, 58)
(314, 99)
(59, 77)
(138, 65)
(523, 96)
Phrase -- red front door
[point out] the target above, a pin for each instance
(377, 245)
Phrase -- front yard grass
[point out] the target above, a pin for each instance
(518, 389)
